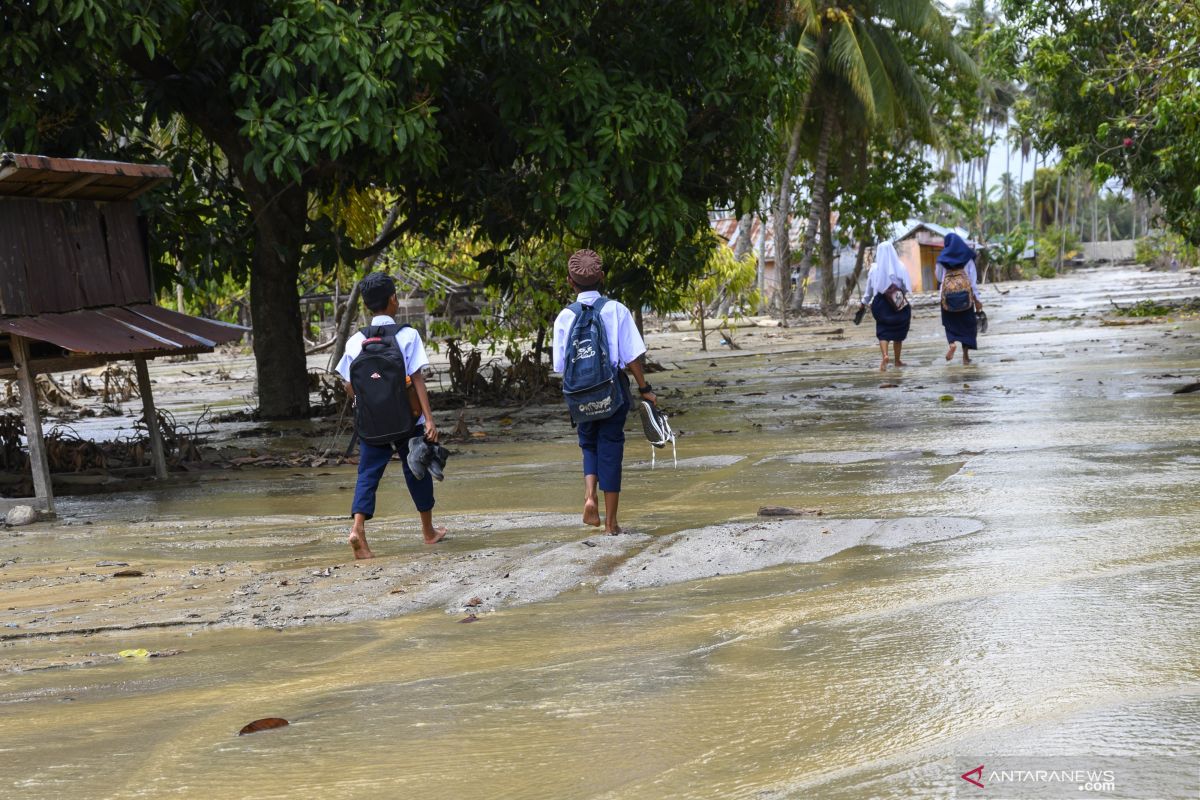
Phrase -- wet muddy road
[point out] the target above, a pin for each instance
(1005, 567)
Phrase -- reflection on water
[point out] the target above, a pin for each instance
(1069, 625)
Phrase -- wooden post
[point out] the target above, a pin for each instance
(39, 465)
(156, 441)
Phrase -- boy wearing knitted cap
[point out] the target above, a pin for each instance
(379, 296)
(602, 440)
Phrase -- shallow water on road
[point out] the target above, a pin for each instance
(1068, 626)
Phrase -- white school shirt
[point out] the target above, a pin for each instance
(941, 274)
(624, 342)
(410, 345)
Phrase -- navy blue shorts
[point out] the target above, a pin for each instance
(603, 445)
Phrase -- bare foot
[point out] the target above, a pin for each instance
(591, 513)
(883, 364)
(900, 363)
(358, 543)
(950, 352)
(613, 531)
(438, 535)
(966, 358)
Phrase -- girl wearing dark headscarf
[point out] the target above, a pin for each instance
(959, 295)
(887, 286)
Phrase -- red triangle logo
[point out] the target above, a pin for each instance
(978, 773)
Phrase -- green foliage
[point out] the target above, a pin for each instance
(872, 70)
(1048, 244)
(1145, 308)
(1159, 247)
(613, 124)
(1005, 253)
(885, 187)
(1118, 92)
(725, 281)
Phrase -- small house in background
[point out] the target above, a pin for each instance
(843, 257)
(919, 244)
(727, 229)
(76, 289)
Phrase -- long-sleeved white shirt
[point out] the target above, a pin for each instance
(886, 272)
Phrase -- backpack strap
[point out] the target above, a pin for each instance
(577, 309)
(382, 331)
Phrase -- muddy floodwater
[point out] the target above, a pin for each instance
(1004, 568)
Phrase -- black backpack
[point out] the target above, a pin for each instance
(382, 413)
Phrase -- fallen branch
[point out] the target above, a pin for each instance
(322, 346)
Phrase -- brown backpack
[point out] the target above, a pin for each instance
(956, 291)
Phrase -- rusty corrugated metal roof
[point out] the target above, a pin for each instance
(124, 330)
(727, 228)
(48, 178)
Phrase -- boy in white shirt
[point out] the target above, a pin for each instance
(602, 441)
(378, 292)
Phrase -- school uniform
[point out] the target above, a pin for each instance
(891, 325)
(962, 326)
(373, 459)
(603, 441)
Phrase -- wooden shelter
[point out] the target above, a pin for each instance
(76, 289)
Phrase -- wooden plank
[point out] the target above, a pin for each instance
(145, 187)
(127, 263)
(14, 299)
(76, 185)
(38, 462)
(88, 252)
(50, 271)
(81, 166)
(156, 441)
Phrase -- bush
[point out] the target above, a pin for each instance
(1158, 248)
(1048, 243)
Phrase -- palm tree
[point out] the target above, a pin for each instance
(859, 78)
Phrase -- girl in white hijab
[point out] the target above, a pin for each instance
(887, 291)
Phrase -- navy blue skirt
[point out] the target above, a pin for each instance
(890, 325)
(960, 327)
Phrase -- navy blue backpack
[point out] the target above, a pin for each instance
(590, 384)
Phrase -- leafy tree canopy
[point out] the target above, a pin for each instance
(1116, 87)
(617, 124)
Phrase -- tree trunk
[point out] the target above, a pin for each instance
(539, 343)
(1033, 220)
(820, 184)
(744, 229)
(346, 322)
(280, 212)
(762, 258)
(741, 249)
(783, 220)
(852, 282)
(981, 230)
(1009, 188)
(1020, 197)
(345, 325)
(828, 287)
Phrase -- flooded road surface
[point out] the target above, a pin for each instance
(1063, 622)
